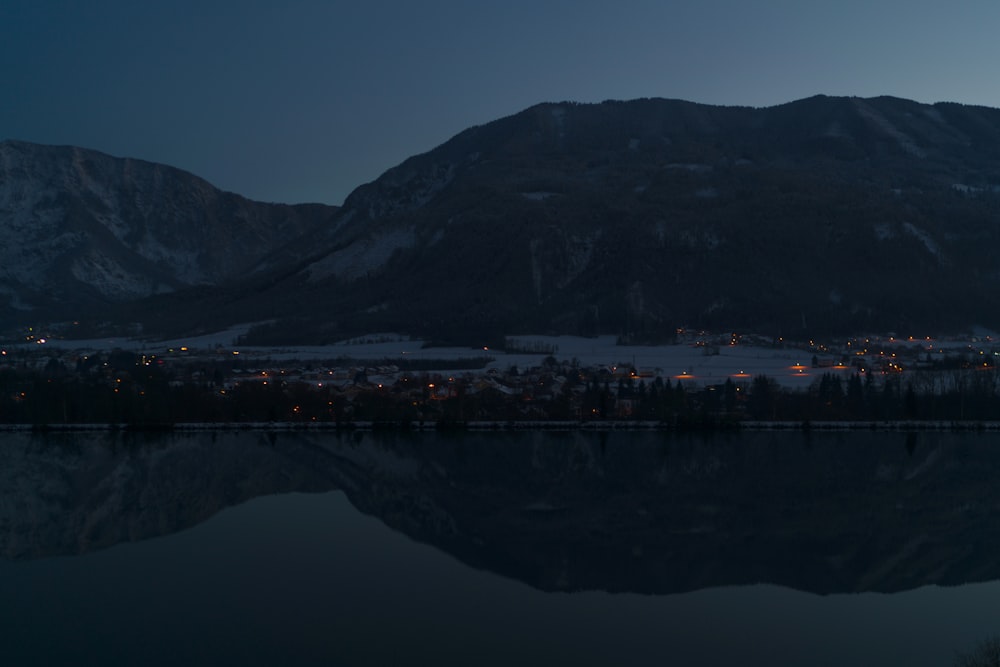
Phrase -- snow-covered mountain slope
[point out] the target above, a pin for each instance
(80, 227)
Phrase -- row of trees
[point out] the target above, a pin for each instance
(961, 395)
(149, 396)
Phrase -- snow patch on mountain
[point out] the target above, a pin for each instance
(109, 277)
(404, 191)
(362, 257)
(559, 116)
(182, 262)
(902, 139)
(935, 115)
(924, 238)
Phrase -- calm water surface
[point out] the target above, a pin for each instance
(497, 549)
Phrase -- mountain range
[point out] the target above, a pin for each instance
(821, 216)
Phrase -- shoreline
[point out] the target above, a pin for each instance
(520, 425)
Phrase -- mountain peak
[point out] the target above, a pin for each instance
(84, 228)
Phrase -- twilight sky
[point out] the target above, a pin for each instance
(304, 100)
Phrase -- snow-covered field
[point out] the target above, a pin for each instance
(790, 367)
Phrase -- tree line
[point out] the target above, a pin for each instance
(123, 390)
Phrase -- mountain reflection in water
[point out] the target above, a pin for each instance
(646, 513)
(651, 513)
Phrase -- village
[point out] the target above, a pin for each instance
(703, 380)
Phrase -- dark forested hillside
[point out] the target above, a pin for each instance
(819, 216)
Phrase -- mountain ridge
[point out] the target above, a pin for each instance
(94, 229)
(821, 215)
(908, 187)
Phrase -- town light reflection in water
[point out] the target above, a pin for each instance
(500, 549)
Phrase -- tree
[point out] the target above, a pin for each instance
(855, 397)
(761, 403)
(729, 396)
(910, 402)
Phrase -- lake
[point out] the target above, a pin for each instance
(586, 548)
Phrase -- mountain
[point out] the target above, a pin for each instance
(82, 229)
(822, 215)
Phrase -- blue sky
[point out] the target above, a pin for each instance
(304, 100)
